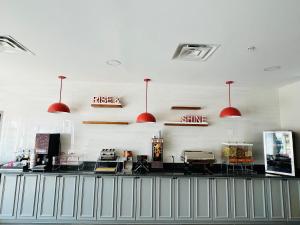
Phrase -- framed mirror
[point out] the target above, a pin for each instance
(279, 152)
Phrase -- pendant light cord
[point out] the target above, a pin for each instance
(60, 90)
(229, 99)
(146, 96)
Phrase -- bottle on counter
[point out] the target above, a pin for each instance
(32, 159)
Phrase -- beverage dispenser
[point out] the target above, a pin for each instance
(46, 147)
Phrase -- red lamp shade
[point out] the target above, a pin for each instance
(59, 106)
(145, 118)
(230, 111)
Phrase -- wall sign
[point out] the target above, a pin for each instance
(193, 119)
(189, 120)
(106, 100)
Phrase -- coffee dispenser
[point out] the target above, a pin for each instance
(46, 147)
(157, 152)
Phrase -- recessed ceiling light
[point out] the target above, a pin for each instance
(113, 62)
(272, 68)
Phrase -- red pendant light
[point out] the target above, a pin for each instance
(230, 111)
(146, 117)
(59, 106)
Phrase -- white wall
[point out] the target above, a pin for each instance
(290, 111)
(25, 106)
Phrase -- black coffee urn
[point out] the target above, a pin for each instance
(46, 147)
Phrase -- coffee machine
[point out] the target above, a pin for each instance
(47, 146)
(157, 152)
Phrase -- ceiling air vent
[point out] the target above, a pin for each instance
(194, 52)
(11, 45)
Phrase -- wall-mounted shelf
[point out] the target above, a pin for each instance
(105, 122)
(107, 105)
(186, 107)
(180, 124)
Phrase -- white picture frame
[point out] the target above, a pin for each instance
(278, 152)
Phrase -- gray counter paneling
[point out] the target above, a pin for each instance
(183, 198)
(28, 195)
(202, 199)
(293, 203)
(71, 198)
(126, 198)
(239, 199)
(164, 198)
(67, 197)
(87, 198)
(9, 189)
(107, 196)
(145, 198)
(275, 194)
(220, 199)
(48, 196)
(257, 198)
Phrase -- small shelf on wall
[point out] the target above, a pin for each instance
(105, 122)
(181, 124)
(185, 107)
(107, 105)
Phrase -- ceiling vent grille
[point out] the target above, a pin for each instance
(194, 52)
(10, 45)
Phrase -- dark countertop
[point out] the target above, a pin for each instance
(170, 170)
(159, 174)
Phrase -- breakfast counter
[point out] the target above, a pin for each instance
(169, 169)
(66, 196)
(155, 174)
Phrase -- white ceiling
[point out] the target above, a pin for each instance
(77, 37)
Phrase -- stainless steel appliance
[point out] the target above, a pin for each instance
(107, 162)
(108, 154)
(203, 158)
